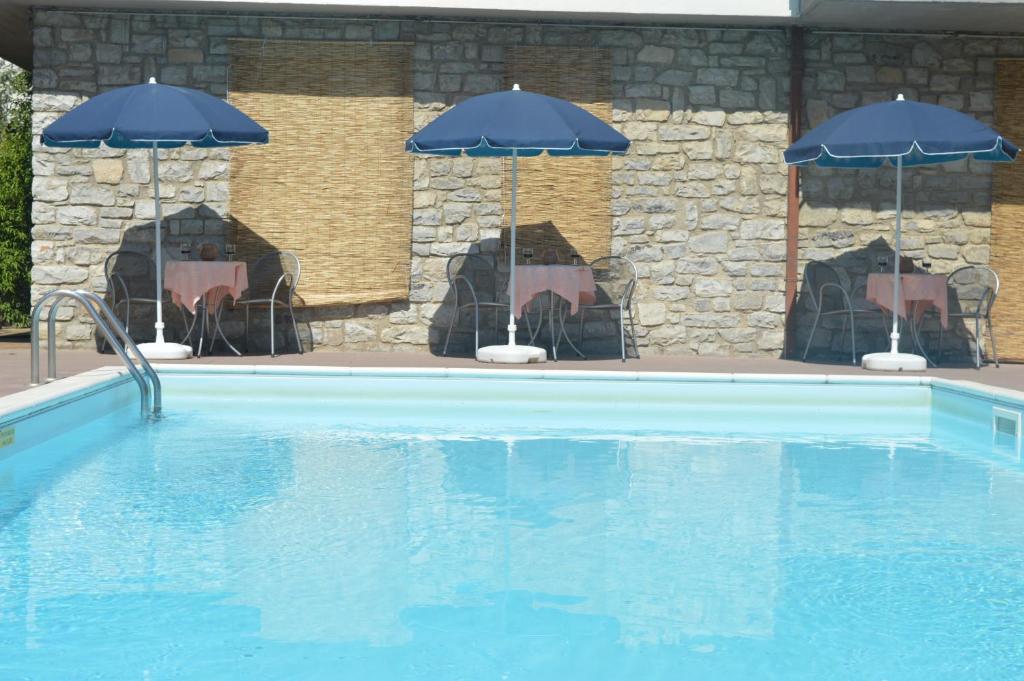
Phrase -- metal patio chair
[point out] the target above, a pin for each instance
(272, 283)
(616, 279)
(972, 293)
(131, 280)
(473, 278)
(831, 296)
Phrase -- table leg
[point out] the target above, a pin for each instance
(219, 331)
(551, 328)
(917, 339)
(556, 340)
(201, 305)
(565, 334)
(540, 323)
(191, 326)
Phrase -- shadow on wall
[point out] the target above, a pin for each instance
(832, 338)
(548, 246)
(129, 272)
(264, 274)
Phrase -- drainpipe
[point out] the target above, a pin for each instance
(796, 103)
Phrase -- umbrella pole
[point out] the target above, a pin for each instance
(895, 336)
(512, 254)
(159, 261)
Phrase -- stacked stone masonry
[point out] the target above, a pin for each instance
(698, 202)
(848, 217)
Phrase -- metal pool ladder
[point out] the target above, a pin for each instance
(111, 328)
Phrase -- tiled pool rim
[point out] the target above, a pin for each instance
(20, 405)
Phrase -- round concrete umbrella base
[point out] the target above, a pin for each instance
(511, 354)
(893, 361)
(162, 351)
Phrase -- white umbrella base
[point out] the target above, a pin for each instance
(893, 361)
(165, 351)
(511, 354)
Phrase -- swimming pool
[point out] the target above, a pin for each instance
(304, 524)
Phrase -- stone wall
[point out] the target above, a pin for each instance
(848, 216)
(698, 202)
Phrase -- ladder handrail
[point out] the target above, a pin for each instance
(149, 385)
(115, 324)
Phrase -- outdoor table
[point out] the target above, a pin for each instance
(572, 283)
(918, 293)
(192, 281)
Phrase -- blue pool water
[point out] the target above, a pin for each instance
(269, 529)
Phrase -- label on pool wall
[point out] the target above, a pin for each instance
(6, 437)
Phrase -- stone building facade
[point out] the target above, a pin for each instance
(848, 216)
(698, 202)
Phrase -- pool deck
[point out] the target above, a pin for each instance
(14, 365)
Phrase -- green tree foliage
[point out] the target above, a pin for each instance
(15, 195)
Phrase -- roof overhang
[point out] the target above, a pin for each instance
(979, 16)
(16, 34)
(916, 16)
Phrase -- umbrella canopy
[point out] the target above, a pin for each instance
(913, 132)
(520, 123)
(140, 116)
(155, 116)
(516, 123)
(900, 133)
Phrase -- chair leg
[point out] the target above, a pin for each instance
(583, 311)
(992, 339)
(272, 354)
(977, 342)
(295, 328)
(632, 331)
(476, 329)
(448, 336)
(622, 334)
(853, 339)
(814, 327)
(942, 332)
(842, 333)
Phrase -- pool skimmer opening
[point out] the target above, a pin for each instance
(1006, 429)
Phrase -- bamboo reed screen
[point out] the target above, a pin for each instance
(334, 185)
(562, 202)
(1008, 214)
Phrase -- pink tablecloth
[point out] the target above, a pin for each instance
(190, 280)
(574, 283)
(918, 291)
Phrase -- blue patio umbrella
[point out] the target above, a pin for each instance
(899, 133)
(516, 123)
(154, 116)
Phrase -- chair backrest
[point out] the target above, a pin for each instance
(616, 279)
(276, 267)
(479, 270)
(130, 274)
(973, 288)
(818, 274)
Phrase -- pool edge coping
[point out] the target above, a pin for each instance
(48, 396)
(38, 399)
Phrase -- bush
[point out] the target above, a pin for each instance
(15, 196)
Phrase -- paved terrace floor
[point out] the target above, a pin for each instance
(14, 364)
